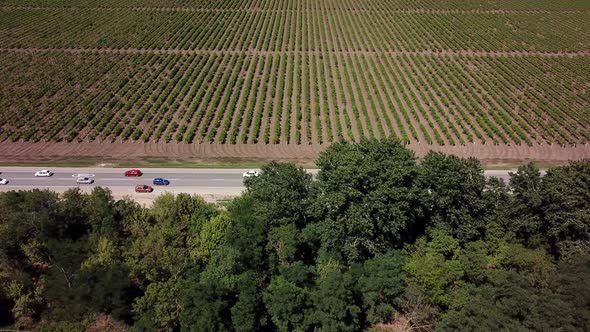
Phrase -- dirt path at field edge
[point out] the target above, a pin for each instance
(301, 154)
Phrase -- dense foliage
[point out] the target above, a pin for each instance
(376, 238)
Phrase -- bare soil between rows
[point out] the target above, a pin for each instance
(260, 52)
(304, 155)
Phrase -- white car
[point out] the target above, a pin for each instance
(82, 180)
(250, 174)
(3, 181)
(44, 173)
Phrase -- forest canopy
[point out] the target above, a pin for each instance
(376, 239)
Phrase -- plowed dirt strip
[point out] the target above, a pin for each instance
(303, 154)
(263, 52)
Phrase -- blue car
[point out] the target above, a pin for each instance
(161, 182)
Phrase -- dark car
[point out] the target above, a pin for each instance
(161, 182)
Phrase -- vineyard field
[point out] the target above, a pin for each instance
(542, 5)
(312, 26)
(297, 72)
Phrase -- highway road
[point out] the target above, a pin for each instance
(212, 184)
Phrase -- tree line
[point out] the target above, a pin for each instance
(378, 240)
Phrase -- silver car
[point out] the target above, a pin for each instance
(249, 174)
(43, 173)
(84, 181)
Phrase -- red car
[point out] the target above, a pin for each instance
(142, 188)
(133, 172)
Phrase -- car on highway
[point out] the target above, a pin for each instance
(133, 172)
(3, 181)
(161, 182)
(142, 188)
(43, 173)
(84, 180)
(249, 174)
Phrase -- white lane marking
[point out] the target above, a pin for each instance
(102, 179)
(137, 180)
(99, 178)
(48, 179)
(217, 180)
(37, 178)
(161, 189)
(82, 175)
(35, 186)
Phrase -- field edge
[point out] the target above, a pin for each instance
(253, 155)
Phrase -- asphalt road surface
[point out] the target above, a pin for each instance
(212, 184)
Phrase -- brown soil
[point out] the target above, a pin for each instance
(300, 154)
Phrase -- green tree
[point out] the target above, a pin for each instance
(27, 219)
(248, 313)
(64, 258)
(210, 238)
(248, 236)
(334, 307)
(104, 288)
(58, 258)
(161, 236)
(454, 195)
(380, 285)
(242, 266)
(287, 304)
(284, 241)
(532, 264)
(103, 219)
(508, 303)
(367, 201)
(159, 257)
(566, 208)
(161, 304)
(525, 216)
(280, 201)
(476, 259)
(572, 283)
(281, 195)
(206, 307)
(434, 267)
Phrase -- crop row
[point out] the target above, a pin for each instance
(296, 98)
(311, 26)
(535, 5)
